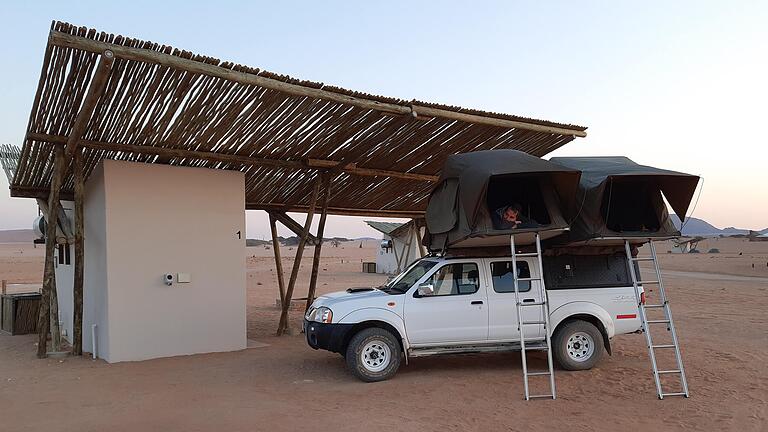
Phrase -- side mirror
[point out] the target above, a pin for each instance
(426, 289)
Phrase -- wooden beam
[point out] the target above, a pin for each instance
(278, 259)
(352, 168)
(92, 96)
(294, 226)
(43, 320)
(342, 211)
(77, 289)
(284, 323)
(149, 56)
(168, 152)
(319, 245)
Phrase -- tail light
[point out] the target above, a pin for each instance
(642, 298)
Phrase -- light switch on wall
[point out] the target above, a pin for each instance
(183, 278)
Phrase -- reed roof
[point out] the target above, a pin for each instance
(128, 99)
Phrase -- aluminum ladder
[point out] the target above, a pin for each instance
(544, 305)
(664, 305)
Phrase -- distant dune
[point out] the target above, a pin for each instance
(17, 236)
(700, 227)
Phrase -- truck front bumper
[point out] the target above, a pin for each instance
(330, 337)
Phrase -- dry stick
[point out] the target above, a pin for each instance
(278, 259)
(319, 246)
(283, 326)
(43, 320)
(77, 290)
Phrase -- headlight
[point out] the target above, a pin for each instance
(321, 315)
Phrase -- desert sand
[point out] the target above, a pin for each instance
(719, 303)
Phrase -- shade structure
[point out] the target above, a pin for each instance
(473, 187)
(620, 199)
(122, 98)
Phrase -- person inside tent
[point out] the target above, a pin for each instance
(510, 217)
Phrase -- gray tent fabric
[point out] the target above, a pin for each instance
(613, 193)
(458, 213)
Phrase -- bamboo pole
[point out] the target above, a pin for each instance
(284, 324)
(319, 246)
(77, 290)
(44, 321)
(278, 259)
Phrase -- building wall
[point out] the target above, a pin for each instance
(142, 221)
(385, 259)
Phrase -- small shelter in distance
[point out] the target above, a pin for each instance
(400, 245)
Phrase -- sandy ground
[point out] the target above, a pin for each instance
(285, 385)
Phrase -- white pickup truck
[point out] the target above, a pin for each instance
(456, 305)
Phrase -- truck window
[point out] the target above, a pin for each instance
(406, 280)
(586, 271)
(456, 279)
(503, 282)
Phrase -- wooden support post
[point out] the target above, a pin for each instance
(278, 259)
(422, 249)
(319, 246)
(43, 321)
(294, 226)
(394, 250)
(77, 290)
(284, 324)
(4, 287)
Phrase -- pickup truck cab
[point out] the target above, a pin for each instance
(450, 305)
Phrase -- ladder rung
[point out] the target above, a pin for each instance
(538, 373)
(526, 254)
(539, 396)
(533, 303)
(533, 322)
(675, 394)
(642, 259)
(653, 306)
(662, 346)
(658, 321)
(669, 371)
(647, 282)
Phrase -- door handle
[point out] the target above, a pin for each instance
(477, 302)
(529, 300)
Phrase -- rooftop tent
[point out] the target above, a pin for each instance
(620, 199)
(462, 208)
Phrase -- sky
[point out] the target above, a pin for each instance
(679, 85)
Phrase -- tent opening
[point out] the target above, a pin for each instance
(522, 191)
(631, 205)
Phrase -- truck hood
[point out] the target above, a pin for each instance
(356, 294)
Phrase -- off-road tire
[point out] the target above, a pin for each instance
(376, 341)
(577, 345)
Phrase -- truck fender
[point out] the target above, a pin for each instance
(568, 310)
(378, 314)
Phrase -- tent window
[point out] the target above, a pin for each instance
(523, 191)
(631, 206)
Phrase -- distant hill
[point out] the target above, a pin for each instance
(17, 236)
(700, 227)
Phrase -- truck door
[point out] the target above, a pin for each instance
(502, 308)
(455, 312)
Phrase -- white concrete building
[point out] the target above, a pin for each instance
(143, 221)
(399, 246)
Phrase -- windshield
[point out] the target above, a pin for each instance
(409, 277)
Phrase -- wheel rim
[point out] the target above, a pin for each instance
(580, 346)
(376, 356)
